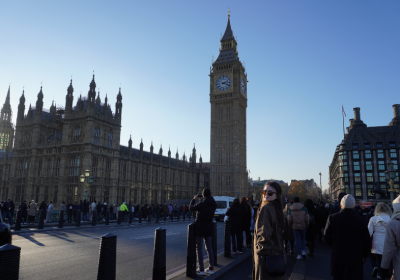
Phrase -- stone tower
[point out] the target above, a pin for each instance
(228, 98)
(6, 125)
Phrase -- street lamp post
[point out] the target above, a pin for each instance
(86, 180)
(390, 175)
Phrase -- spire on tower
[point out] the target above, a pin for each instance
(228, 35)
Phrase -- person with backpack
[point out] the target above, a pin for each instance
(377, 230)
(312, 231)
(298, 221)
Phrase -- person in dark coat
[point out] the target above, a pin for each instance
(43, 206)
(288, 234)
(349, 239)
(235, 214)
(99, 209)
(246, 220)
(312, 231)
(323, 213)
(75, 209)
(85, 210)
(69, 211)
(24, 211)
(336, 206)
(204, 229)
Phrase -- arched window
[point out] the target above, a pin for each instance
(96, 140)
(109, 139)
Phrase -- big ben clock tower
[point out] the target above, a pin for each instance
(228, 98)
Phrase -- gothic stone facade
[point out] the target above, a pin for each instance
(228, 98)
(52, 148)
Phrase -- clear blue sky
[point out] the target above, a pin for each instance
(304, 59)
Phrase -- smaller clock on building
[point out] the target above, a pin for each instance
(223, 83)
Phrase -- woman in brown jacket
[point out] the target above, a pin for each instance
(268, 231)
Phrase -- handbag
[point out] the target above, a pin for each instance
(276, 265)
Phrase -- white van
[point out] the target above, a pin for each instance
(223, 204)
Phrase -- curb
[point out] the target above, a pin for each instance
(51, 228)
(221, 272)
(299, 270)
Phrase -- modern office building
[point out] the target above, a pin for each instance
(360, 160)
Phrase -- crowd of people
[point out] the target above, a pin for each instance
(89, 210)
(353, 233)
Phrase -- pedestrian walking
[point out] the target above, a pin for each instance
(377, 231)
(32, 212)
(49, 212)
(288, 234)
(312, 230)
(204, 229)
(246, 221)
(349, 239)
(123, 210)
(268, 232)
(85, 210)
(62, 207)
(336, 205)
(7, 211)
(112, 211)
(43, 207)
(298, 220)
(235, 215)
(323, 213)
(75, 209)
(69, 212)
(24, 211)
(391, 247)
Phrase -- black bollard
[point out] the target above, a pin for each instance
(157, 216)
(130, 217)
(119, 218)
(107, 218)
(94, 218)
(191, 252)
(78, 218)
(165, 215)
(61, 219)
(179, 216)
(5, 235)
(172, 216)
(214, 243)
(149, 217)
(227, 241)
(108, 257)
(160, 254)
(41, 219)
(19, 220)
(9, 260)
(140, 216)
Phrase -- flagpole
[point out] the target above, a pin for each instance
(343, 121)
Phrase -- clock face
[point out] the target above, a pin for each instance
(243, 86)
(223, 83)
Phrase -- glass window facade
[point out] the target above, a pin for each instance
(356, 155)
(381, 165)
(358, 191)
(357, 177)
(370, 177)
(382, 177)
(368, 154)
(356, 165)
(393, 153)
(368, 165)
(380, 154)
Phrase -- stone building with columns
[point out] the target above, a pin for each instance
(360, 160)
(52, 148)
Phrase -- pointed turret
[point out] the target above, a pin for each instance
(39, 103)
(228, 35)
(160, 151)
(105, 103)
(6, 109)
(69, 99)
(151, 147)
(169, 152)
(177, 154)
(21, 107)
(118, 105)
(92, 91)
(130, 142)
(228, 50)
(98, 100)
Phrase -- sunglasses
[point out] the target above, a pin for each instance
(268, 193)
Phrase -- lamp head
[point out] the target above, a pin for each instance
(82, 179)
(87, 173)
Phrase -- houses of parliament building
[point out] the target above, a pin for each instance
(44, 154)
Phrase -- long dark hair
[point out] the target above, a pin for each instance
(277, 203)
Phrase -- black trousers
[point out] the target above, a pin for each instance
(248, 236)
